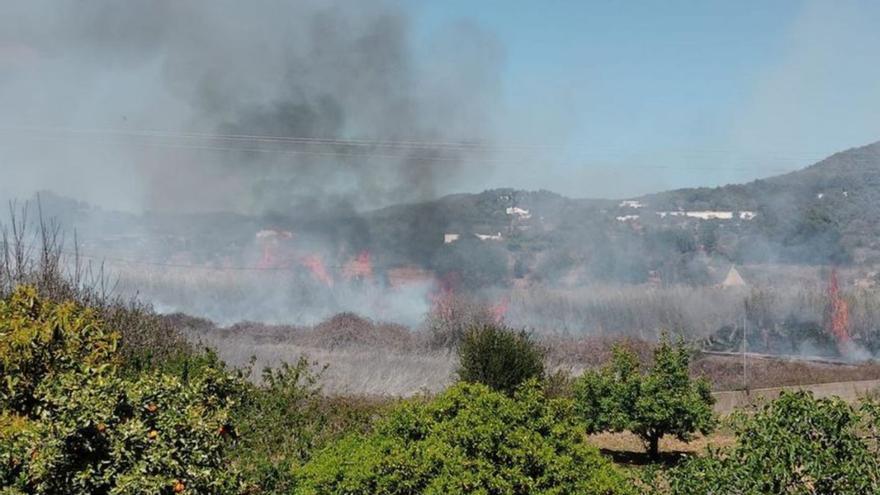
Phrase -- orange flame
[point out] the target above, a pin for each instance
(499, 309)
(360, 268)
(837, 312)
(315, 265)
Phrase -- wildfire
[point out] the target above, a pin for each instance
(499, 309)
(316, 265)
(359, 268)
(837, 312)
(270, 243)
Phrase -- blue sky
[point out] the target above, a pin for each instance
(589, 98)
(632, 97)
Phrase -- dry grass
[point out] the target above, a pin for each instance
(369, 371)
(726, 372)
(627, 449)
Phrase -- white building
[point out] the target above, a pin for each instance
(522, 213)
(489, 237)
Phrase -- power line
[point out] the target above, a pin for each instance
(442, 158)
(355, 142)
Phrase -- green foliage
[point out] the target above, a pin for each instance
(499, 357)
(795, 445)
(469, 439)
(286, 419)
(71, 423)
(662, 401)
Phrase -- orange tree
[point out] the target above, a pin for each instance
(662, 401)
(469, 439)
(71, 423)
(797, 445)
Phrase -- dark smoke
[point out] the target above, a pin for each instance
(333, 71)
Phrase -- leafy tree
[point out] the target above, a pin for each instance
(285, 420)
(662, 401)
(469, 439)
(70, 422)
(499, 357)
(797, 445)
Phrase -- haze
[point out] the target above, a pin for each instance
(588, 99)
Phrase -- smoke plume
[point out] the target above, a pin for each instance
(251, 106)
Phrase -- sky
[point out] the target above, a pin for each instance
(643, 96)
(585, 98)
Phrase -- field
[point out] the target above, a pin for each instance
(354, 402)
(364, 358)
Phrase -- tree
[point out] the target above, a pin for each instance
(469, 439)
(71, 422)
(796, 444)
(662, 401)
(499, 357)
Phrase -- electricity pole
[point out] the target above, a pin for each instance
(745, 376)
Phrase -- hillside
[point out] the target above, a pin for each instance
(823, 214)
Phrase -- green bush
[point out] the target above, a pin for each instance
(71, 423)
(662, 401)
(794, 445)
(287, 418)
(499, 357)
(469, 439)
(41, 340)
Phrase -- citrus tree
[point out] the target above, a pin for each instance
(663, 400)
(71, 423)
(796, 445)
(469, 439)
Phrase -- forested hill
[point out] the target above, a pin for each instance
(827, 213)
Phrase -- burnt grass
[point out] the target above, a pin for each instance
(346, 332)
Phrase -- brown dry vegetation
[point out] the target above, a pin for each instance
(726, 372)
(366, 357)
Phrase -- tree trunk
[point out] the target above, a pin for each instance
(654, 446)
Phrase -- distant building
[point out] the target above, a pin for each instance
(709, 214)
(631, 203)
(409, 275)
(490, 237)
(627, 218)
(521, 213)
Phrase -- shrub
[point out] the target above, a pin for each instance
(796, 444)
(469, 439)
(665, 400)
(499, 357)
(71, 423)
(145, 339)
(42, 340)
(283, 421)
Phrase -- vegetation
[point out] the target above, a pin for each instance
(469, 439)
(87, 407)
(499, 357)
(662, 401)
(284, 420)
(71, 423)
(796, 444)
